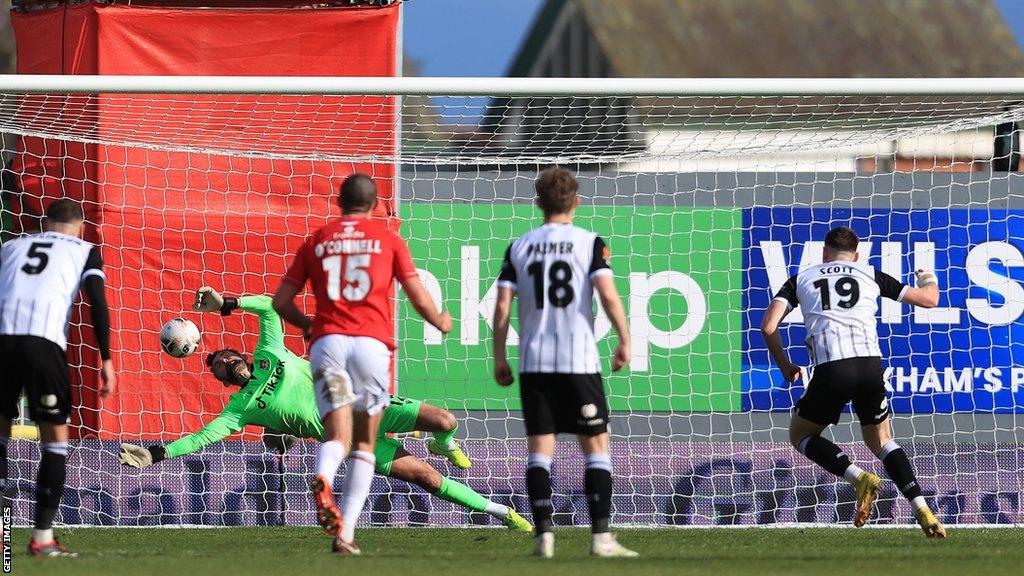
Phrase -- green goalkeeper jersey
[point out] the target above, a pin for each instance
(279, 396)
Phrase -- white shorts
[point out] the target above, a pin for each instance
(350, 370)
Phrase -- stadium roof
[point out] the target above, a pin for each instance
(781, 38)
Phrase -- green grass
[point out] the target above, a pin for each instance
(492, 552)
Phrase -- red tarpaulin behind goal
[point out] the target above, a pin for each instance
(171, 221)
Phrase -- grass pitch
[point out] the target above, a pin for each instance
(492, 552)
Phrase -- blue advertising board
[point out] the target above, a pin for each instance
(966, 355)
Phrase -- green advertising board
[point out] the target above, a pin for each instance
(679, 272)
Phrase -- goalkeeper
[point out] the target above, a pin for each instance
(276, 392)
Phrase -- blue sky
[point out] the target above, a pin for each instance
(465, 37)
(480, 37)
(1013, 12)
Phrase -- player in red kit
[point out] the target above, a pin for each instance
(351, 264)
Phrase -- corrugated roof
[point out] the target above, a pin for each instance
(803, 38)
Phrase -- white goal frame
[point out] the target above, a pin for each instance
(999, 89)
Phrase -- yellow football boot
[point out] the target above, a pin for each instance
(868, 487)
(930, 524)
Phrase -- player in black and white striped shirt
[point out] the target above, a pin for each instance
(554, 270)
(40, 276)
(839, 301)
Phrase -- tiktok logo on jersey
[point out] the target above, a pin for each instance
(272, 382)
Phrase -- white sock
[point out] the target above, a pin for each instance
(445, 444)
(497, 510)
(358, 477)
(329, 458)
(42, 536)
(852, 471)
(918, 503)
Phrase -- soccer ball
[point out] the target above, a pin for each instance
(179, 337)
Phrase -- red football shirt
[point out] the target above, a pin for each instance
(351, 265)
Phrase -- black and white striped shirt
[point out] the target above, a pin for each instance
(551, 268)
(839, 301)
(39, 281)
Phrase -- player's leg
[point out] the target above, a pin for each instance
(358, 477)
(48, 389)
(586, 413)
(873, 410)
(827, 394)
(538, 488)
(334, 396)
(369, 363)
(538, 415)
(394, 461)
(336, 442)
(443, 424)
(832, 386)
(50, 478)
(805, 436)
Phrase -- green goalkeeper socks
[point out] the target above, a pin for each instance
(459, 493)
(446, 440)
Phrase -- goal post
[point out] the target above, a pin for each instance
(709, 192)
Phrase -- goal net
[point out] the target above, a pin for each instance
(709, 194)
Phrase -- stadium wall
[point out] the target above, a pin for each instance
(657, 483)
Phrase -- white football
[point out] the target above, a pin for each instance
(179, 337)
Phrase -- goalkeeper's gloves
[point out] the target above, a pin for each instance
(925, 278)
(209, 300)
(139, 457)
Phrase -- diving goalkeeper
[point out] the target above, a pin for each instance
(276, 392)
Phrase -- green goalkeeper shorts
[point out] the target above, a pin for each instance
(399, 418)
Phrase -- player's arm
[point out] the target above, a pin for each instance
(94, 286)
(925, 295)
(612, 304)
(783, 303)
(502, 316)
(271, 334)
(292, 283)
(424, 304)
(228, 423)
(604, 283)
(507, 287)
(415, 291)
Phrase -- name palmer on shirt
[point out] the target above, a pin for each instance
(542, 248)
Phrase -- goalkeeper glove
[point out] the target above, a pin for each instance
(209, 300)
(139, 457)
(925, 278)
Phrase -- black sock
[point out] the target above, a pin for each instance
(826, 454)
(597, 483)
(50, 484)
(897, 466)
(538, 486)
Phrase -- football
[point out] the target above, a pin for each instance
(179, 337)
